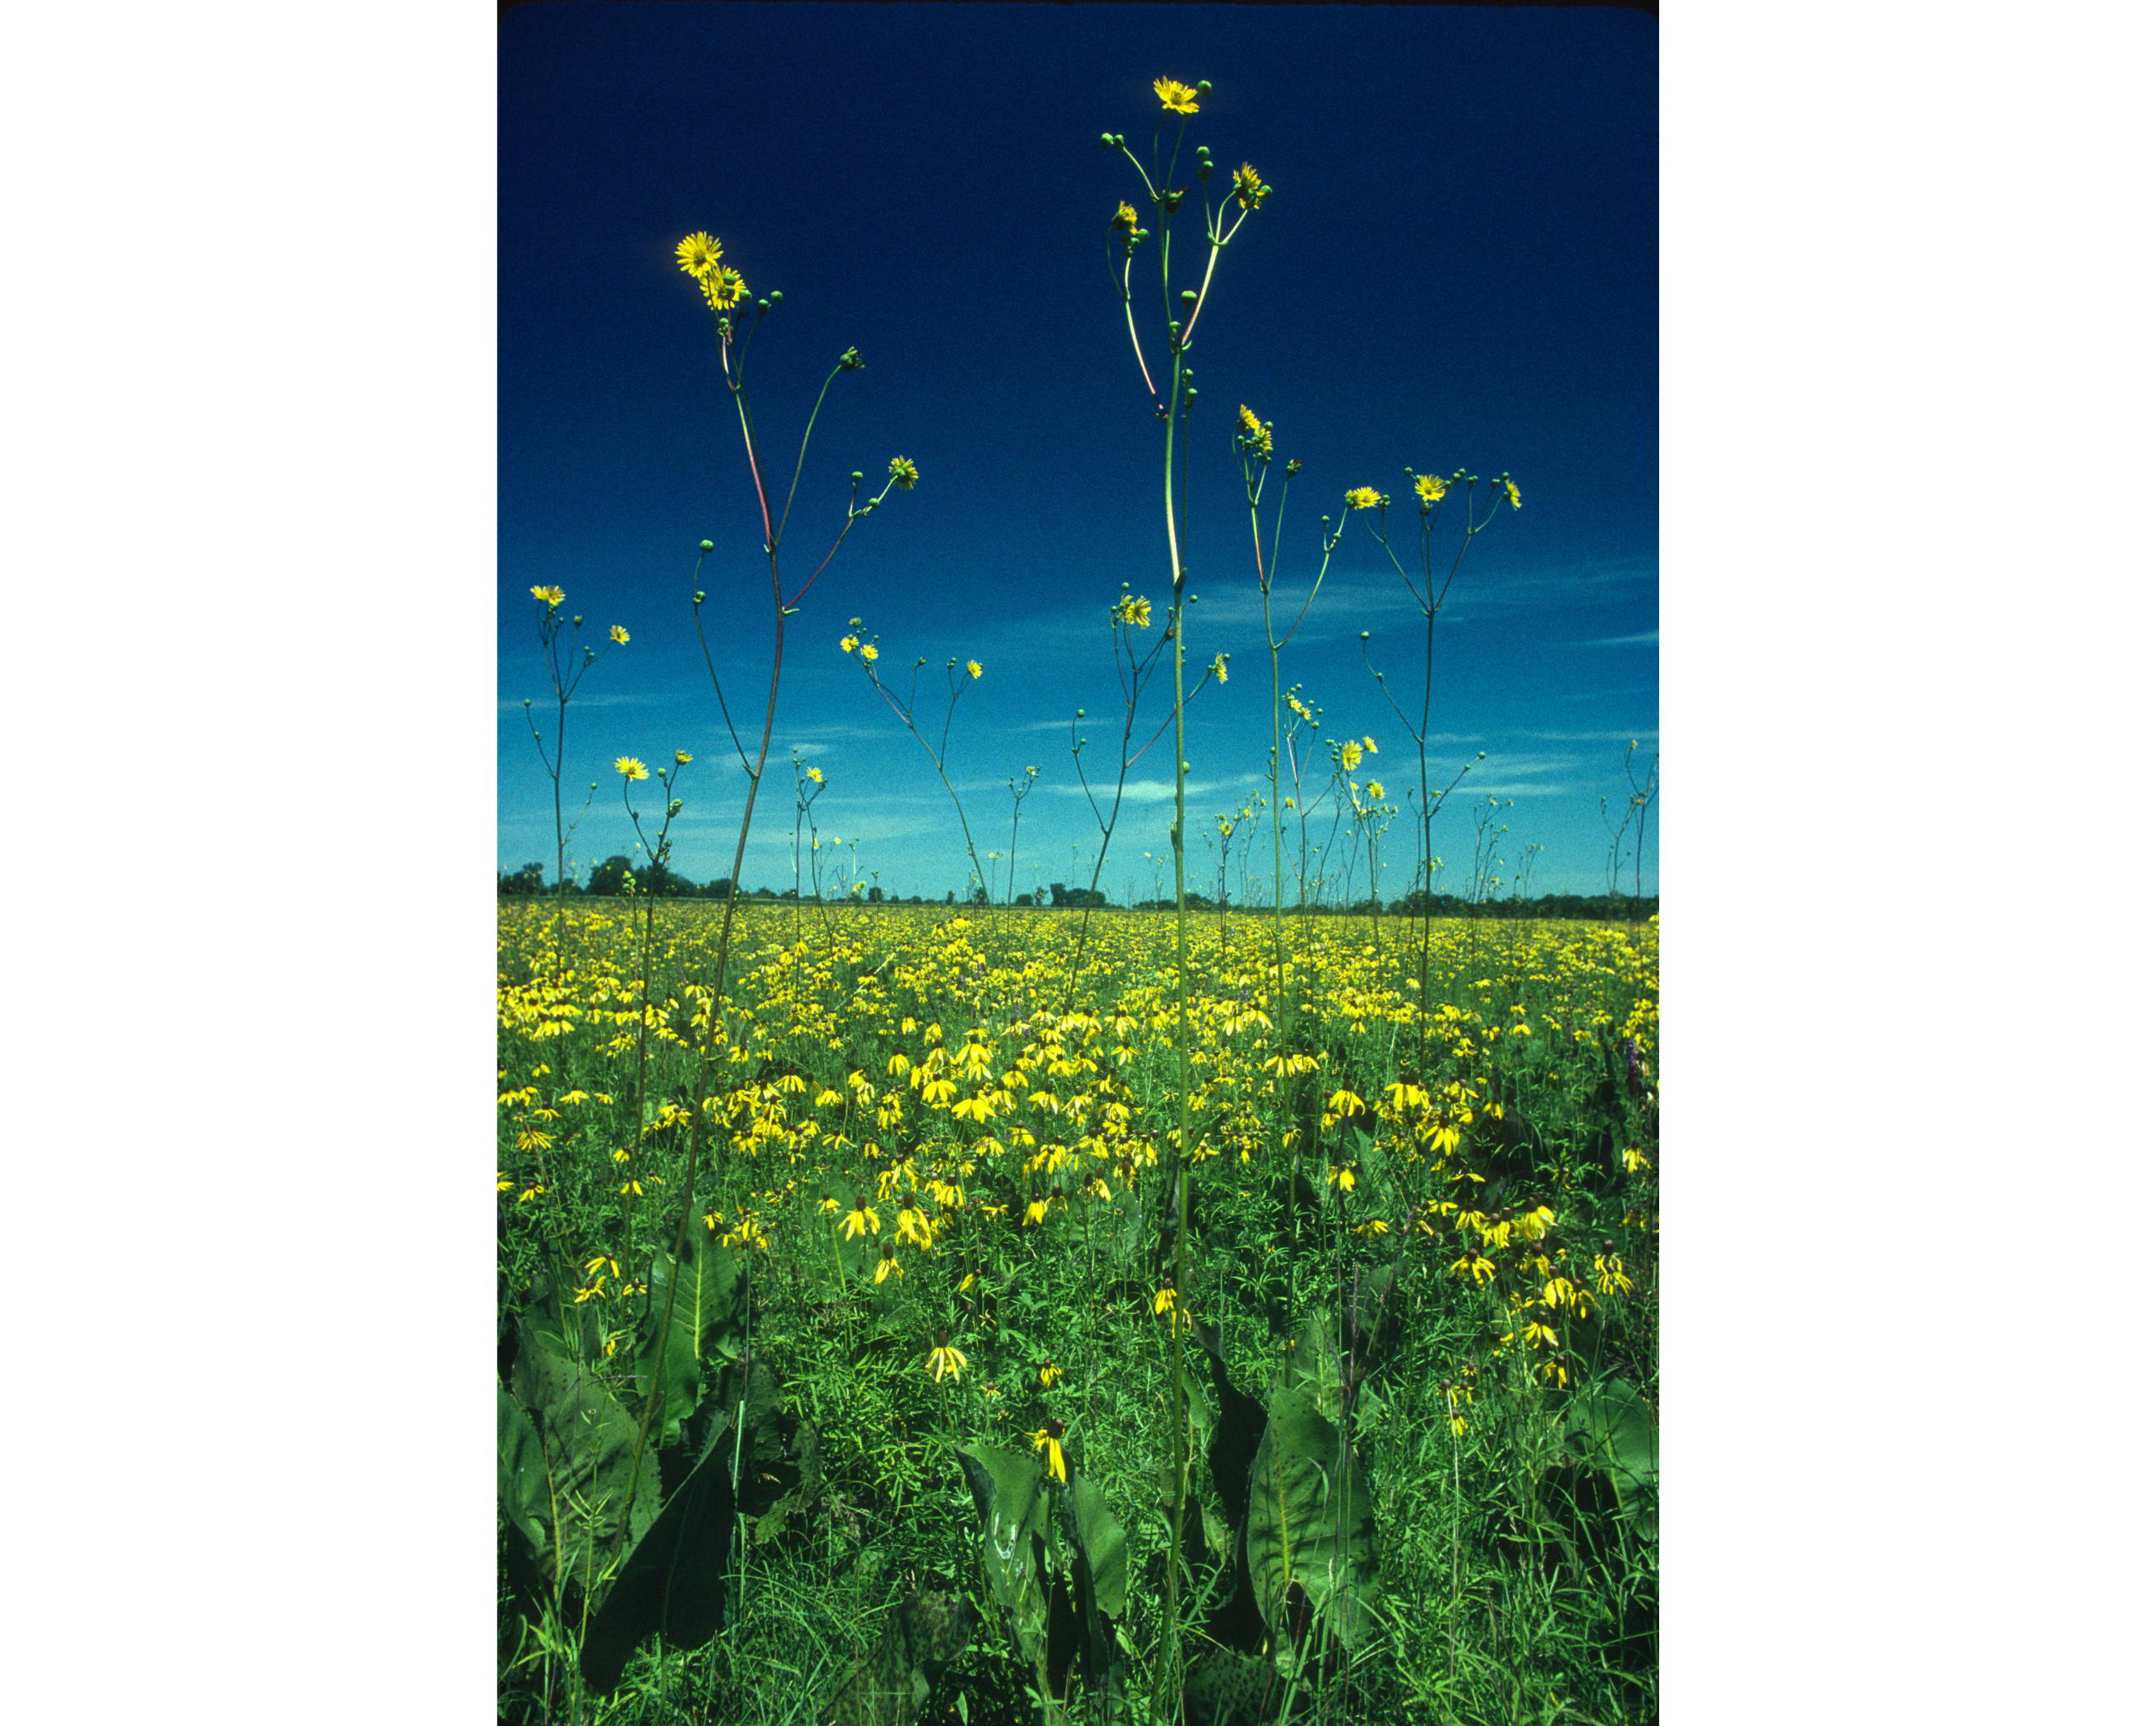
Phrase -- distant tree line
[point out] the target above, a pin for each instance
(607, 879)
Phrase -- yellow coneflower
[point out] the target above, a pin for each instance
(943, 1359)
(1049, 1438)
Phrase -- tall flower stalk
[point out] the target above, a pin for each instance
(1172, 406)
(1254, 445)
(658, 850)
(1430, 492)
(566, 677)
(726, 293)
(1131, 615)
(865, 654)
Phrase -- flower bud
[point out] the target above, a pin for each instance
(776, 296)
(703, 545)
(1204, 86)
(1107, 141)
(698, 598)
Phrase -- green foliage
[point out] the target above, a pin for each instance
(1030, 1527)
(589, 1446)
(569, 1460)
(709, 1305)
(674, 1582)
(890, 1687)
(1011, 1496)
(1462, 1568)
(1616, 1433)
(1311, 1527)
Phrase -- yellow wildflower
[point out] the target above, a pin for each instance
(972, 668)
(618, 635)
(553, 595)
(629, 767)
(904, 473)
(1250, 190)
(1047, 1438)
(943, 1359)
(1175, 97)
(1364, 497)
(699, 254)
(1430, 489)
(724, 288)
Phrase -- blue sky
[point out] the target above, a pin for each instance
(1457, 269)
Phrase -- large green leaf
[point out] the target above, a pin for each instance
(709, 1315)
(589, 1443)
(673, 1583)
(1010, 1493)
(1317, 1364)
(1097, 1538)
(1310, 1523)
(522, 1470)
(1099, 1574)
(1618, 1434)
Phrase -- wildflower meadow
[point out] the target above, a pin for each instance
(1016, 1311)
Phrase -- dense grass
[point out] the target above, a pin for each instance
(1451, 1195)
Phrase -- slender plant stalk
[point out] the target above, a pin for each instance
(703, 264)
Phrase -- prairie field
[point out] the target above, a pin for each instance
(870, 1290)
